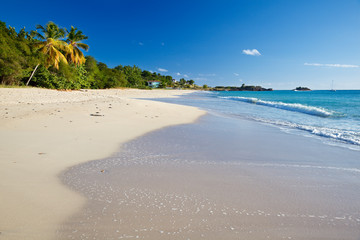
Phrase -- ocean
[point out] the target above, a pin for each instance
(333, 116)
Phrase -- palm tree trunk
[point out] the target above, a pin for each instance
(32, 74)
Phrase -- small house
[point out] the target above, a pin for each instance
(153, 84)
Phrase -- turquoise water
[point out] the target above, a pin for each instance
(333, 116)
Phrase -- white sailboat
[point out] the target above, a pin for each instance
(332, 86)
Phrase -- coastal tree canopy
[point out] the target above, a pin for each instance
(74, 54)
(51, 57)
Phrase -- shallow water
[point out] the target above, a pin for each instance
(333, 117)
(219, 178)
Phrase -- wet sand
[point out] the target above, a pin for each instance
(220, 178)
(43, 132)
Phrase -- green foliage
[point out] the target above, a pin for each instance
(67, 77)
(110, 78)
(17, 56)
(81, 76)
(44, 78)
(100, 76)
(182, 81)
(51, 30)
(74, 54)
(133, 76)
(242, 88)
(147, 75)
(51, 45)
(21, 51)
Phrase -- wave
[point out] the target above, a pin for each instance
(295, 107)
(353, 170)
(345, 136)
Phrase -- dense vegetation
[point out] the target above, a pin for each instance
(51, 57)
(302, 89)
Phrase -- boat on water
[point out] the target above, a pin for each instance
(332, 87)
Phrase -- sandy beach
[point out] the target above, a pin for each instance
(43, 132)
(179, 120)
(106, 165)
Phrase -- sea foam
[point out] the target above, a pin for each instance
(345, 136)
(295, 107)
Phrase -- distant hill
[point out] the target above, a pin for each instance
(242, 88)
(302, 89)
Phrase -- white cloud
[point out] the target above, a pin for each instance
(236, 74)
(178, 74)
(185, 75)
(253, 52)
(162, 70)
(331, 65)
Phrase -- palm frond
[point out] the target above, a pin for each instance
(55, 57)
(74, 54)
(39, 44)
(80, 36)
(38, 26)
(61, 45)
(57, 50)
(36, 34)
(75, 35)
(83, 46)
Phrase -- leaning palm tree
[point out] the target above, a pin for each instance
(51, 45)
(74, 54)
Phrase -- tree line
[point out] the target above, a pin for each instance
(52, 57)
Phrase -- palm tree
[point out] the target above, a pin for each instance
(74, 54)
(31, 35)
(51, 45)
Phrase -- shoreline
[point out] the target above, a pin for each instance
(44, 132)
(218, 178)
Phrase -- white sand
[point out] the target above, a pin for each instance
(43, 132)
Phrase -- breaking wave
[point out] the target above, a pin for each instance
(295, 107)
(345, 136)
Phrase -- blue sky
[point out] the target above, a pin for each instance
(278, 44)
